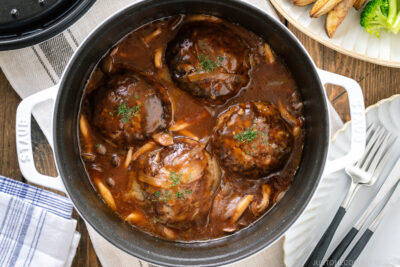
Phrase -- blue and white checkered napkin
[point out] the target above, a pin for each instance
(36, 228)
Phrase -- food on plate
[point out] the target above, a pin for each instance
(191, 128)
(302, 2)
(336, 11)
(359, 4)
(252, 139)
(321, 7)
(379, 15)
(336, 16)
(209, 60)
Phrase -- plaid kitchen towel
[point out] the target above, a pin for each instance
(35, 227)
(38, 67)
(54, 203)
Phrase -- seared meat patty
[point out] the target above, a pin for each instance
(208, 60)
(130, 108)
(251, 139)
(177, 182)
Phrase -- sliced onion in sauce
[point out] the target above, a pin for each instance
(84, 127)
(188, 134)
(134, 217)
(143, 149)
(286, 114)
(160, 180)
(128, 158)
(152, 35)
(269, 55)
(241, 207)
(158, 58)
(201, 17)
(105, 193)
(164, 139)
(195, 77)
(257, 208)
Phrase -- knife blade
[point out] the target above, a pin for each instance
(390, 181)
(389, 204)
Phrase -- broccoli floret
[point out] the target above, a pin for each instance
(380, 15)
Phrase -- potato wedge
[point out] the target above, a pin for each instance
(359, 4)
(336, 16)
(302, 2)
(321, 7)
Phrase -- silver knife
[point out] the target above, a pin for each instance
(363, 241)
(390, 181)
(389, 204)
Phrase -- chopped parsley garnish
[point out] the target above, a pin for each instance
(176, 178)
(169, 196)
(180, 195)
(127, 113)
(247, 152)
(111, 114)
(246, 136)
(136, 96)
(264, 136)
(220, 59)
(97, 145)
(206, 63)
(162, 197)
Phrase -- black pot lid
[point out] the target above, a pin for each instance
(28, 22)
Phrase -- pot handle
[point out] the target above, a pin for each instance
(24, 141)
(358, 122)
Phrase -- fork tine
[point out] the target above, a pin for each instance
(382, 163)
(371, 147)
(381, 150)
(374, 149)
(370, 134)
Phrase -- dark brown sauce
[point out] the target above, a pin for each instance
(104, 159)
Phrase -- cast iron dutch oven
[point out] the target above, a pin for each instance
(24, 23)
(262, 233)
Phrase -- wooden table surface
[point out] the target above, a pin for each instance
(377, 82)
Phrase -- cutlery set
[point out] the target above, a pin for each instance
(379, 148)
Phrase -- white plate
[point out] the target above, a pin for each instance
(350, 38)
(384, 247)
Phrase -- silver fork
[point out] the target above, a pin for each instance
(363, 173)
(366, 170)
